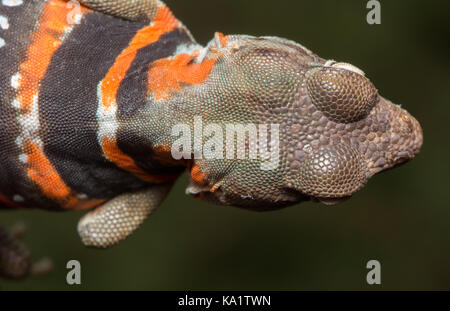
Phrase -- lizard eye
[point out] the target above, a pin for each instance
(332, 172)
(344, 96)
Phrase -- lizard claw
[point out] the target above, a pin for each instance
(42, 267)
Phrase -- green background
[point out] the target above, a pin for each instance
(401, 218)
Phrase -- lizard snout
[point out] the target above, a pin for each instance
(407, 137)
(401, 139)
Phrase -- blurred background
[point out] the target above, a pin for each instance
(401, 218)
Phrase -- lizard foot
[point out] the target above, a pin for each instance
(15, 258)
(115, 220)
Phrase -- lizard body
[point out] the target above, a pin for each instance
(89, 99)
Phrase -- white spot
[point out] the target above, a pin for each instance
(12, 2)
(2, 42)
(29, 123)
(23, 158)
(19, 141)
(201, 56)
(77, 18)
(16, 104)
(217, 40)
(4, 22)
(329, 63)
(187, 49)
(106, 118)
(18, 198)
(82, 196)
(15, 80)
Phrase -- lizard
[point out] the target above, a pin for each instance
(90, 95)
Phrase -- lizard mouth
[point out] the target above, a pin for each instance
(330, 201)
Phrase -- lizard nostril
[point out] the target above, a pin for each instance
(405, 118)
(409, 123)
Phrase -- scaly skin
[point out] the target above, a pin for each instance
(335, 130)
(111, 145)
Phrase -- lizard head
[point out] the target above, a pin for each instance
(326, 121)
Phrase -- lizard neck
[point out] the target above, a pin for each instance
(175, 95)
(184, 90)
